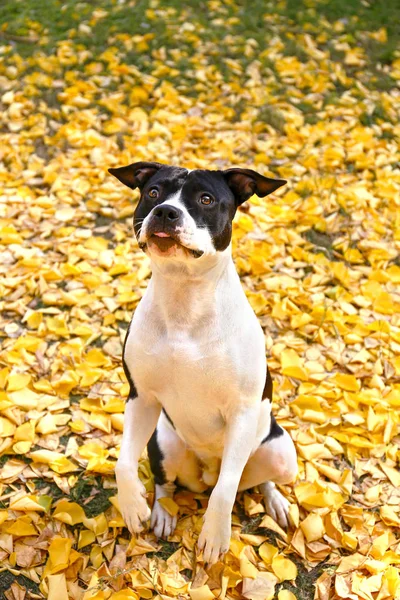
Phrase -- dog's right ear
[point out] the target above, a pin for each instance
(136, 174)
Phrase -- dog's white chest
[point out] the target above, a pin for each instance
(202, 362)
(192, 381)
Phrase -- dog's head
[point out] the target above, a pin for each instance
(185, 214)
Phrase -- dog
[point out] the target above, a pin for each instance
(194, 356)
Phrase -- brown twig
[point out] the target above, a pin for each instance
(18, 38)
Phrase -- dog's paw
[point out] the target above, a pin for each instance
(215, 536)
(162, 523)
(134, 508)
(277, 507)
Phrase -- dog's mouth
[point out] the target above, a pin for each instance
(166, 244)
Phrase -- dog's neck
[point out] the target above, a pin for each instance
(185, 293)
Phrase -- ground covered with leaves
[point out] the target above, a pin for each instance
(307, 91)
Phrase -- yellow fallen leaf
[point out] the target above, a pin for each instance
(247, 569)
(85, 538)
(92, 450)
(351, 562)
(94, 591)
(100, 420)
(65, 214)
(69, 512)
(349, 540)
(268, 552)
(170, 506)
(26, 504)
(57, 462)
(96, 358)
(313, 527)
(284, 568)
(57, 587)
(375, 566)
(3, 516)
(262, 588)
(18, 381)
(201, 593)
(292, 365)
(124, 595)
(101, 465)
(21, 527)
(389, 516)
(232, 577)
(97, 524)
(47, 424)
(25, 432)
(26, 399)
(59, 552)
(22, 447)
(269, 523)
(390, 584)
(7, 428)
(392, 474)
(346, 382)
(286, 595)
(294, 515)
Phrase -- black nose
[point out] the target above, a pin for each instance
(167, 213)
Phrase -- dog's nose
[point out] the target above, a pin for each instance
(167, 213)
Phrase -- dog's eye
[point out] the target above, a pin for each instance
(206, 199)
(154, 193)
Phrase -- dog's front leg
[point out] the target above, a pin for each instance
(239, 441)
(139, 423)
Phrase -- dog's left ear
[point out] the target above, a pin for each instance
(136, 174)
(245, 182)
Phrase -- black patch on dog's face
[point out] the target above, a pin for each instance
(168, 181)
(216, 217)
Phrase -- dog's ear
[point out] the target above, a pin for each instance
(245, 182)
(136, 174)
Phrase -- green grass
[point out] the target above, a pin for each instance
(58, 20)
(304, 588)
(7, 578)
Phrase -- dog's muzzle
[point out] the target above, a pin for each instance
(165, 224)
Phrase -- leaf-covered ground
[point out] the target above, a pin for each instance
(304, 90)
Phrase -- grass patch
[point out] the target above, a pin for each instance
(154, 25)
(304, 589)
(322, 242)
(168, 548)
(7, 579)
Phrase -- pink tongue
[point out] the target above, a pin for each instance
(162, 234)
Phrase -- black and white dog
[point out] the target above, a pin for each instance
(194, 356)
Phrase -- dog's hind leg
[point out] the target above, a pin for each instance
(273, 462)
(170, 461)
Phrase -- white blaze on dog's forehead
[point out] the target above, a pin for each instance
(175, 200)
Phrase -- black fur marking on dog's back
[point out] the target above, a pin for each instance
(267, 393)
(168, 418)
(156, 457)
(274, 432)
(132, 388)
